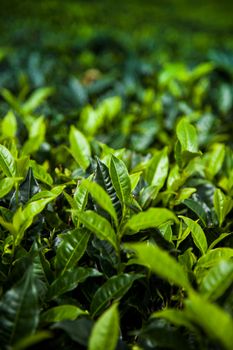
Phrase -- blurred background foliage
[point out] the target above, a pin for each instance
(142, 52)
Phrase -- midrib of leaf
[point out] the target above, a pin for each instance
(71, 256)
(18, 311)
(113, 295)
(6, 166)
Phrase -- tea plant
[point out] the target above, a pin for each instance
(116, 194)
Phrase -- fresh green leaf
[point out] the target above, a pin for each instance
(98, 225)
(153, 217)
(101, 197)
(79, 147)
(61, 313)
(198, 234)
(157, 169)
(120, 179)
(222, 205)
(7, 162)
(217, 280)
(105, 332)
(219, 326)
(160, 262)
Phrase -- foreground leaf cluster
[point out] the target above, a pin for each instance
(116, 202)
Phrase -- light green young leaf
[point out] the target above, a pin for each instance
(11, 99)
(105, 332)
(80, 197)
(134, 179)
(61, 313)
(187, 136)
(29, 340)
(36, 98)
(153, 217)
(36, 136)
(9, 125)
(213, 160)
(211, 318)
(6, 185)
(219, 239)
(217, 280)
(23, 218)
(98, 225)
(157, 169)
(183, 194)
(176, 317)
(40, 173)
(160, 262)
(79, 147)
(101, 197)
(120, 179)
(222, 205)
(7, 162)
(198, 234)
(212, 257)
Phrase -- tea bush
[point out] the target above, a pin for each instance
(116, 179)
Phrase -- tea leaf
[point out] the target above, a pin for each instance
(98, 225)
(198, 234)
(160, 262)
(105, 332)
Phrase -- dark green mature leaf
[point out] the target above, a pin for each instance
(78, 330)
(105, 332)
(19, 311)
(69, 280)
(197, 208)
(71, 248)
(160, 334)
(7, 162)
(153, 217)
(114, 289)
(27, 189)
(160, 262)
(98, 225)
